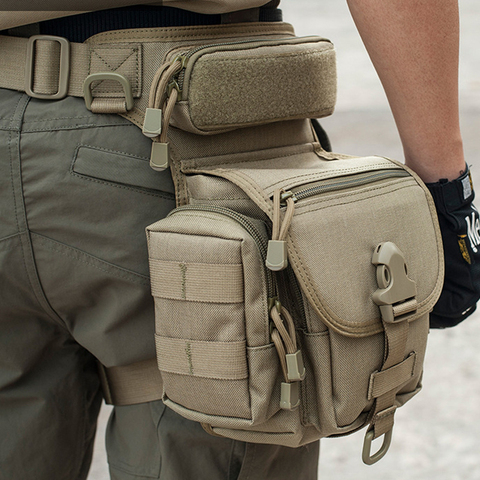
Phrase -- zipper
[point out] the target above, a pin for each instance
(278, 256)
(326, 186)
(184, 58)
(260, 240)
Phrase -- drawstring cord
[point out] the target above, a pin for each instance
(163, 96)
(277, 258)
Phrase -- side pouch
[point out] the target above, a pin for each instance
(212, 330)
(232, 85)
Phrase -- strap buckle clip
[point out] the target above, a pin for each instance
(64, 71)
(396, 293)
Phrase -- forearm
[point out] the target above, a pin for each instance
(413, 45)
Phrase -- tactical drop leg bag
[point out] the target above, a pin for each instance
(292, 286)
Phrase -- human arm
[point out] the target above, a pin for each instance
(413, 45)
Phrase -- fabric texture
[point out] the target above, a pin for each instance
(21, 13)
(74, 283)
(460, 225)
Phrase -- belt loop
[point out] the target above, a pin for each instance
(64, 68)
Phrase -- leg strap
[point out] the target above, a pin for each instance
(131, 384)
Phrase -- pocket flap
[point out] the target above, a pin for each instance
(332, 239)
(253, 83)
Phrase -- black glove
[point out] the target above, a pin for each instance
(460, 226)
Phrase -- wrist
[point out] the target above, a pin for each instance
(454, 194)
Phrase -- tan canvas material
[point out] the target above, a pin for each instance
(332, 335)
(337, 354)
(137, 55)
(358, 367)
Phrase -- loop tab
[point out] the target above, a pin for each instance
(369, 459)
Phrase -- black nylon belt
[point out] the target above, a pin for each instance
(77, 28)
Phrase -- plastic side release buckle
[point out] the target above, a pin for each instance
(396, 288)
(367, 457)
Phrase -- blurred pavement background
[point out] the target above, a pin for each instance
(437, 435)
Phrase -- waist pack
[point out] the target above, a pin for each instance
(292, 286)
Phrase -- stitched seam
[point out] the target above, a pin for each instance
(327, 176)
(262, 121)
(127, 273)
(75, 127)
(369, 190)
(39, 297)
(113, 69)
(134, 51)
(257, 30)
(144, 190)
(92, 147)
(57, 118)
(195, 162)
(119, 185)
(9, 237)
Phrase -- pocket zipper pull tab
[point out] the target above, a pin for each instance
(277, 256)
(152, 125)
(159, 158)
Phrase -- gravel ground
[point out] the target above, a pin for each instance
(436, 434)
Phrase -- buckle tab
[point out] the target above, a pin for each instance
(64, 73)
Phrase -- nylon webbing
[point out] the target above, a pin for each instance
(13, 60)
(131, 384)
(219, 360)
(385, 380)
(396, 336)
(187, 281)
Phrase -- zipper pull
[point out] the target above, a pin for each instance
(277, 255)
(284, 337)
(152, 125)
(164, 90)
(160, 156)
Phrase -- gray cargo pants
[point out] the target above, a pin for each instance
(76, 194)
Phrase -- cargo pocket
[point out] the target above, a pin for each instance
(207, 278)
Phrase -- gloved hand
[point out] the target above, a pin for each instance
(460, 227)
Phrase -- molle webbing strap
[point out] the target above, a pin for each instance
(218, 360)
(187, 281)
(131, 384)
(51, 67)
(396, 336)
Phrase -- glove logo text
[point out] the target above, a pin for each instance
(473, 230)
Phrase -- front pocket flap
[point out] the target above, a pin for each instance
(242, 85)
(332, 240)
(219, 360)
